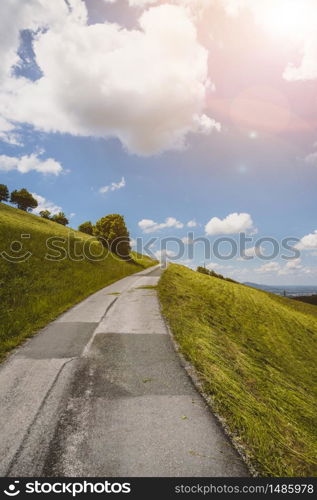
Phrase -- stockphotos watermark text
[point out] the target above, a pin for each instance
(223, 248)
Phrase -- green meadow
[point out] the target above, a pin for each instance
(256, 356)
(35, 290)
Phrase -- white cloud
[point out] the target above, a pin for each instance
(286, 18)
(27, 163)
(30, 14)
(146, 86)
(205, 125)
(233, 224)
(252, 252)
(8, 134)
(311, 159)
(187, 3)
(269, 267)
(307, 69)
(149, 226)
(44, 204)
(136, 3)
(114, 186)
(218, 267)
(142, 3)
(293, 266)
(187, 241)
(164, 255)
(308, 242)
(191, 223)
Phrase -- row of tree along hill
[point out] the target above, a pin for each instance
(24, 200)
(213, 274)
(110, 230)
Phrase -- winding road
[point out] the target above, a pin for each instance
(101, 392)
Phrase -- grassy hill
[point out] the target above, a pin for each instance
(35, 291)
(256, 355)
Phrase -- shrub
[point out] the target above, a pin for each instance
(46, 214)
(86, 227)
(60, 218)
(204, 270)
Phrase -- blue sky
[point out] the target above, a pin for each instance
(259, 161)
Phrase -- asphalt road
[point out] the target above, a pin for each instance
(101, 392)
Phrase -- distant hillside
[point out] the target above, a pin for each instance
(34, 292)
(289, 290)
(256, 355)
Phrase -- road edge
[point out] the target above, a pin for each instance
(198, 384)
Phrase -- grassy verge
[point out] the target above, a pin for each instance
(256, 355)
(35, 291)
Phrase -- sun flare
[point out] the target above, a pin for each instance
(288, 18)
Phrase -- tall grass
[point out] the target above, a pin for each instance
(256, 355)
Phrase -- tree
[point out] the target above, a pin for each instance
(4, 193)
(60, 218)
(86, 227)
(209, 272)
(112, 232)
(46, 214)
(203, 270)
(23, 199)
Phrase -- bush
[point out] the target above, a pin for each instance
(86, 227)
(112, 232)
(60, 218)
(46, 214)
(204, 270)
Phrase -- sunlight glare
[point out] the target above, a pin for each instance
(289, 18)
